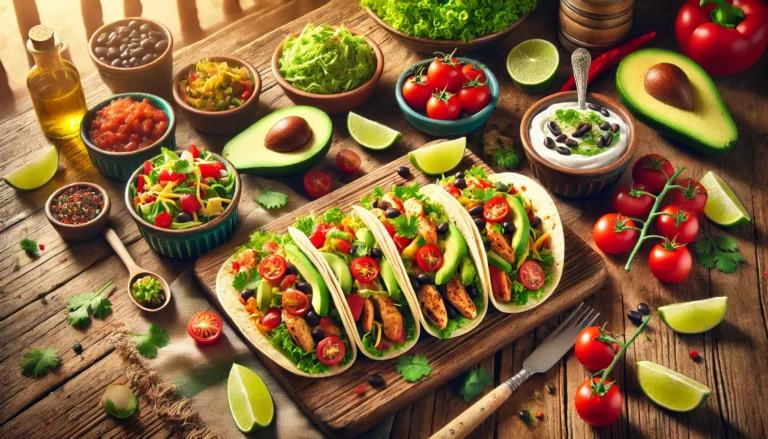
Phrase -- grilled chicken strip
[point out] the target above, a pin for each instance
(300, 331)
(428, 230)
(432, 306)
(499, 244)
(413, 207)
(394, 327)
(330, 329)
(457, 295)
(505, 286)
(366, 318)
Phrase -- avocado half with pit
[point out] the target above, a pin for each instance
(249, 154)
(708, 127)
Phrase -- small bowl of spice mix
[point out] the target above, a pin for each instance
(78, 211)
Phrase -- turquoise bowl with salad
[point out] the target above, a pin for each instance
(184, 204)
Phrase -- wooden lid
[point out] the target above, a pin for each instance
(42, 37)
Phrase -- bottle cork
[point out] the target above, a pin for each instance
(42, 37)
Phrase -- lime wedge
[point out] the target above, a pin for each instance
(695, 317)
(723, 207)
(532, 65)
(371, 134)
(439, 158)
(249, 399)
(37, 172)
(669, 389)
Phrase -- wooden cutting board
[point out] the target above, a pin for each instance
(331, 402)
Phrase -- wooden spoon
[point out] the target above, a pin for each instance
(135, 271)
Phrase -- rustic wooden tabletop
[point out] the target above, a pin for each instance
(734, 364)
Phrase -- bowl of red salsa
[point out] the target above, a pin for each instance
(79, 210)
(124, 131)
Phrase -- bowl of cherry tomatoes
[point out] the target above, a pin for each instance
(447, 96)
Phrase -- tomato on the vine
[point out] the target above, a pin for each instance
(429, 258)
(532, 275)
(473, 71)
(614, 234)
(317, 183)
(348, 161)
(272, 268)
(416, 92)
(652, 171)
(444, 73)
(331, 350)
(364, 269)
(692, 199)
(670, 263)
(474, 96)
(630, 200)
(593, 353)
(596, 409)
(295, 302)
(677, 224)
(496, 210)
(443, 106)
(204, 327)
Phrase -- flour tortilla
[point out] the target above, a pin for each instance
(228, 298)
(309, 249)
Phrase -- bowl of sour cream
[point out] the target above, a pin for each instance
(573, 152)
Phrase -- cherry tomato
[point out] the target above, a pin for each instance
(288, 282)
(208, 170)
(416, 92)
(347, 160)
(596, 410)
(364, 269)
(692, 199)
(355, 303)
(318, 235)
(194, 151)
(473, 97)
(612, 236)
(147, 167)
(164, 220)
(452, 189)
(592, 353)
(495, 210)
(429, 258)
(473, 71)
(317, 183)
(341, 245)
(331, 350)
(295, 302)
(670, 264)
(532, 275)
(652, 171)
(271, 319)
(629, 201)
(246, 94)
(478, 183)
(444, 73)
(189, 203)
(401, 242)
(678, 224)
(272, 268)
(204, 327)
(443, 106)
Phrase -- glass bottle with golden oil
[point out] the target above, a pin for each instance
(54, 86)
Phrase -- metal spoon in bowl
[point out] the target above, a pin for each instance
(134, 271)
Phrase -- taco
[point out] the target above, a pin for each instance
(281, 303)
(359, 263)
(518, 230)
(438, 258)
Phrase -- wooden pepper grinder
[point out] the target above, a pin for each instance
(596, 25)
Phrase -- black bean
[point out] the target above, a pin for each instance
(318, 334)
(376, 380)
(476, 210)
(312, 318)
(183, 217)
(535, 221)
(501, 187)
(459, 174)
(423, 279)
(460, 183)
(643, 308)
(608, 139)
(605, 126)
(404, 171)
(290, 269)
(247, 294)
(304, 287)
(582, 129)
(100, 51)
(563, 150)
(605, 112)
(601, 141)
(375, 203)
(551, 389)
(376, 253)
(77, 348)
(160, 46)
(635, 317)
(145, 28)
(615, 128)
(508, 227)
(480, 223)
(594, 107)
(450, 310)
(392, 213)
(117, 62)
(561, 138)
(553, 128)
(442, 229)
(472, 291)
(549, 143)
(414, 282)
(102, 38)
(571, 143)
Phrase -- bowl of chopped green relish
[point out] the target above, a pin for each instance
(78, 211)
(332, 68)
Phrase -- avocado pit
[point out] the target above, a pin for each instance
(669, 84)
(288, 134)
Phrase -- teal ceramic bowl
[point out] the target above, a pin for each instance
(443, 128)
(120, 165)
(193, 242)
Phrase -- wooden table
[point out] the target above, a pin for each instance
(734, 355)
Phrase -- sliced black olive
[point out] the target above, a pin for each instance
(290, 269)
(404, 171)
(318, 334)
(476, 210)
(392, 213)
(376, 253)
(414, 282)
(480, 223)
(423, 279)
(442, 229)
(460, 183)
(450, 310)
(183, 217)
(312, 318)
(248, 293)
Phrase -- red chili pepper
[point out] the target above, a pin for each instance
(41, 246)
(609, 59)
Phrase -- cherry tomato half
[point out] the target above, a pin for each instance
(318, 235)
(317, 183)
(495, 210)
(364, 269)
(331, 350)
(612, 236)
(272, 268)
(593, 354)
(652, 171)
(452, 189)
(532, 275)
(678, 224)
(271, 319)
(295, 302)
(164, 220)
(429, 258)
(670, 265)
(596, 410)
(348, 161)
(204, 327)
(692, 199)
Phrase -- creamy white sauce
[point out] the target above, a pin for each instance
(538, 132)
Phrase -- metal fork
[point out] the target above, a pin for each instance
(541, 360)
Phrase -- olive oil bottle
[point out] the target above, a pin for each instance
(54, 86)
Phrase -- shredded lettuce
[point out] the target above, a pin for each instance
(521, 295)
(305, 361)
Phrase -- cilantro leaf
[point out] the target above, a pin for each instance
(38, 362)
(243, 278)
(726, 244)
(182, 167)
(407, 227)
(506, 159)
(79, 305)
(474, 382)
(476, 171)
(408, 191)
(29, 246)
(270, 199)
(721, 253)
(147, 344)
(413, 368)
(333, 216)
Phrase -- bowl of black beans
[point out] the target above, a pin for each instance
(134, 55)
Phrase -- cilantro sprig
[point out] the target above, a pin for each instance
(413, 368)
(407, 227)
(148, 343)
(78, 307)
(475, 381)
(243, 278)
(270, 199)
(721, 253)
(38, 362)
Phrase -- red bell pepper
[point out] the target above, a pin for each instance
(723, 36)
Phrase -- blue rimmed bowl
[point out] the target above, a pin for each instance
(442, 128)
(193, 242)
(120, 165)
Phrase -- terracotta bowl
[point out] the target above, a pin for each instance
(220, 122)
(427, 45)
(154, 77)
(336, 103)
(568, 182)
(78, 232)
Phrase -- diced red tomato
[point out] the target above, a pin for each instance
(164, 177)
(209, 170)
(235, 266)
(164, 220)
(194, 151)
(355, 303)
(390, 229)
(401, 242)
(317, 238)
(147, 167)
(451, 189)
(383, 345)
(189, 203)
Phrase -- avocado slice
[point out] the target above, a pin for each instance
(497, 261)
(264, 295)
(455, 251)
(522, 227)
(340, 270)
(468, 271)
(365, 235)
(709, 128)
(390, 281)
(321, 297)
(247, 152)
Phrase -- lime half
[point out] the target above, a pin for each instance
(371, 134)
(695, 317)
(723, 207)
(532, 65)
(439, 158)
(35, 173)
(670, 389)
(249, 399)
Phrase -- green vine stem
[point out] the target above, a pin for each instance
(600, 388)
(654, 212)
